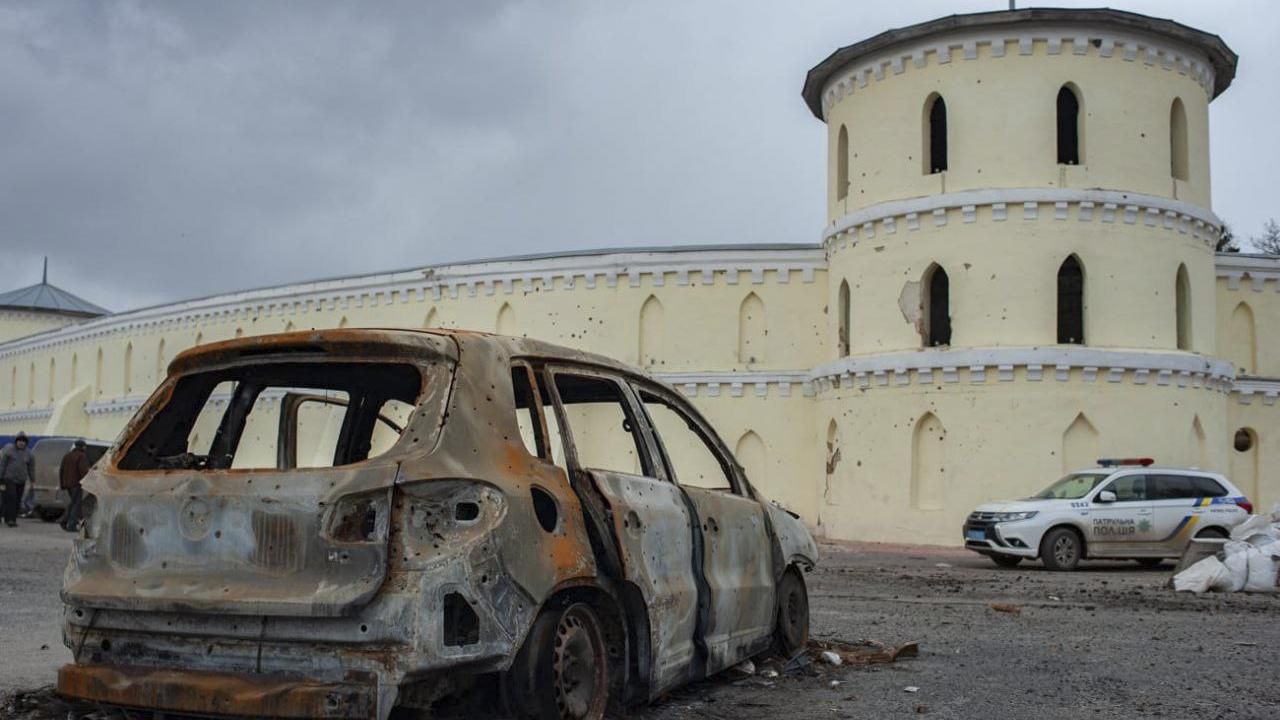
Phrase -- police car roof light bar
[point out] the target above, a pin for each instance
(1113, 462)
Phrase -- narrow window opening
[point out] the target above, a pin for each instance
(842, 164)
(1068, 127)
(1071, 302)
(937, 308)
(1182, 310)
(843, 322)
(1178, 140)
(936, 135)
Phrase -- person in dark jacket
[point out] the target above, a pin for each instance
(75, 465)
(17, 468)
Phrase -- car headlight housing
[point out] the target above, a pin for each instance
(1014, 516)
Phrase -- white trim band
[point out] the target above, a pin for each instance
(1107, 206)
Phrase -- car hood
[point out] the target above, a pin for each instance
(1023, 506)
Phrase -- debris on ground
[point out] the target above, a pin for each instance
(830, 658)
(864, 652)
(746, 667)
(1006, 608)
(911, 689)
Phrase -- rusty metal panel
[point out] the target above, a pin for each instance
(653, 529)
(218, 693)
(738, 566)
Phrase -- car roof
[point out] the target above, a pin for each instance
(410, 338)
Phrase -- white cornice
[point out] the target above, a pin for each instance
(1104, 206)
(983, 365)
(736, 384)
(942, 49)
(1248, 388)
(563, 273)
(1256, 270)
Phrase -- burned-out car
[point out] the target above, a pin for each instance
(333, 524)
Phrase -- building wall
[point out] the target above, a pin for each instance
(1001, 102)
(16, 324)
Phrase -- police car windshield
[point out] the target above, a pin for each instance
(1071, 487)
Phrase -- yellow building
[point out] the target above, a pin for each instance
(1017, 276)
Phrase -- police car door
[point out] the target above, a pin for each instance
(1115, 527)
(1177, 504)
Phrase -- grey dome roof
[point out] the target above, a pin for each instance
(44, 297)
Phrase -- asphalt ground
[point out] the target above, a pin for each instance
(1108, 641)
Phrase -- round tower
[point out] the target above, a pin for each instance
(1021, 252)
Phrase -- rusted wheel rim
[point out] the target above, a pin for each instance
(578, 665)
(1064, 550)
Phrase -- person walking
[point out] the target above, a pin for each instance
(75, 465)
(17, 468)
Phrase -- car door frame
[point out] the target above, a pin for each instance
(724, 649)
(619, 529)
(1115, 545)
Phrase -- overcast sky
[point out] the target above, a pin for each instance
(160, 151)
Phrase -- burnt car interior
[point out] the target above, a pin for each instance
(361, 407)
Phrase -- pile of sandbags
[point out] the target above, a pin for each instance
(1248, 562)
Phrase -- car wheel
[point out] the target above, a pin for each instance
(791, 631)
(562, 671)
(1150, 562)
(1006, 561)
(1213, 532)
(1061, 549)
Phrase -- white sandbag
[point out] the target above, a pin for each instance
(1255, 525)
(1199, 577)
(1262, 572)
(1235, 561)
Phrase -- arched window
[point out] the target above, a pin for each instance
(53, 377)
(842, 320)
(1182, 308)
(1071, 302)
(936, 307)
(160, 363)
(506, 322)
(127, 377)
(1068, 126)
(842, 164)
(752, 329)
(651, 333)
(935, 134)
(1178, 140)
(97, 374)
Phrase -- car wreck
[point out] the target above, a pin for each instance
(333, 524)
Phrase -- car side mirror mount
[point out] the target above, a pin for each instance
(1106, 496)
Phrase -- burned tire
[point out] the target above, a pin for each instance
(1061, 549)
(791, 629)
(562, 671)
(1006, 561)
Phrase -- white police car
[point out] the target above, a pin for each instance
(1123, 509)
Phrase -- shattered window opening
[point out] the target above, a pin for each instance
(937, 307)
(604, 434)
(278, 416)
(691, 458)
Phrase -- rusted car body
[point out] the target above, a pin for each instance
(415, 521)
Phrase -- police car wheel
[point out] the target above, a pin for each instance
(1150, 562)
(1213, 532)
(1061, 549)
(1006, 561)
